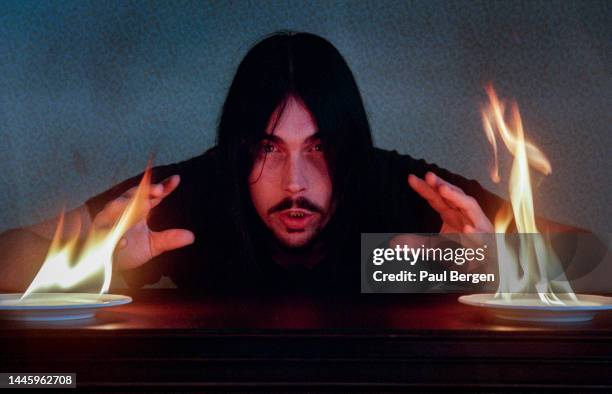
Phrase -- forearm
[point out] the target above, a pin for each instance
(21, 255)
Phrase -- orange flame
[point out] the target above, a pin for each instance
(536, 258)
(66, 266)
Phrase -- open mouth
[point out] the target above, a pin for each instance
(296, 219)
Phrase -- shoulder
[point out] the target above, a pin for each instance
(397, 167)
(201, 164)
(393, 160)
(202, 167)
(405, 164)
(389, 169)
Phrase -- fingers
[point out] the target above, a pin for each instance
(157, 192)
(123, 242)
(411, 240)
(451, 194)
(452, 203)
(436, 182)
(428, 193)
(164, 241)
(473, 235)
(168, 185)
(111, 212)
(451, 216)
(467, 204)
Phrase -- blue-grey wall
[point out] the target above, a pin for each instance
(89, 89)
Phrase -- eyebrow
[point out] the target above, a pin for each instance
(272, 138)
(278, 140)
(313, 137)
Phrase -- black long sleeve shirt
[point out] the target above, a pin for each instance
(200, 204)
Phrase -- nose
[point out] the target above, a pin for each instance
(294, 180)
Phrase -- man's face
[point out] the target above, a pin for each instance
(290, 183)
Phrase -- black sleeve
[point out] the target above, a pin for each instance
(175, 211)
(403, 210)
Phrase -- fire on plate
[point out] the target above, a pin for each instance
(532, 285)
(70, 263)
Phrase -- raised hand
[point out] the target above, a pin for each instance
(139, 244)
(460, 213)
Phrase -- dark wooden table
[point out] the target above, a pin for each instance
(167, 339)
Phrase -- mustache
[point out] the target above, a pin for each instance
(300, 202)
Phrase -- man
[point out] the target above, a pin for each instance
(280, 201)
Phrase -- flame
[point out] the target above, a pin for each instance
(68, 265)
(536, 261)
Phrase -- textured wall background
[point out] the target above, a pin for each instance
(89, 89)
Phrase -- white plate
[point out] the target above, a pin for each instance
(56, 306)
(529, 308)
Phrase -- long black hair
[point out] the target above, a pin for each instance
(310, 68)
